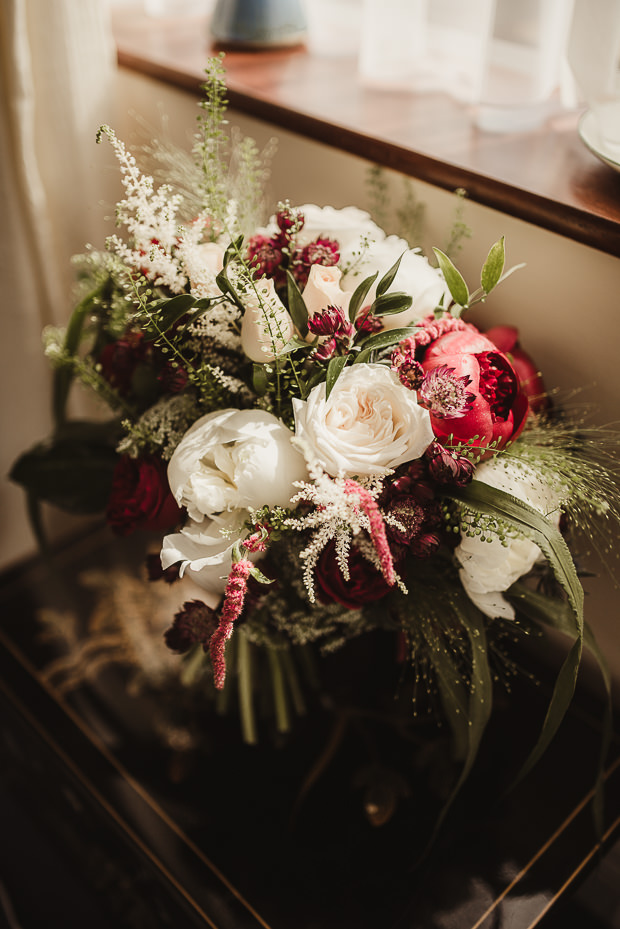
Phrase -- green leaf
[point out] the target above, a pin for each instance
(334, 368)
(296, 306)
(386, 281)
(258, 575)
(63, 377)
(232, 251)
(388, 304)
(532, 524)
(383, 340)
(227, 288)
(493, 266)
(72, 471)
(454, 279)
(359, 295)
(167, 314)
(467, 710)
(557, 614)
(485, 499)
(294, 345)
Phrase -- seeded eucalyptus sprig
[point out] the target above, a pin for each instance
(491, 275)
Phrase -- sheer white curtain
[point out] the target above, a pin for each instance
(57, 85)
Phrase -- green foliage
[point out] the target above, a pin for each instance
(454, 279)
(211, 146)
(74, 469)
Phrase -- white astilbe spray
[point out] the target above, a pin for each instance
(150, 217)
(339, 515)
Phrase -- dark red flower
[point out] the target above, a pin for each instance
(506, 338)
(410, 498)
(289, 221)
(321, 251)
(119, 360)
(446, 467)
(173, 377)
(499, 408)
(192, 625)
(140, 497)
(264, 255)
(366, 583)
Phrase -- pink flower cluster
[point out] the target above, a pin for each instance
(271, 256)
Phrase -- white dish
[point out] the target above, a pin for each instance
(591, 138)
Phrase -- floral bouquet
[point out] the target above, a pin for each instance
(330, 446)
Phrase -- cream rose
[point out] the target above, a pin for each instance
(323, 289)
(266, 326)
(203, 550)
(415, 277)
(370, 424)
(490, 568)
(234, 459)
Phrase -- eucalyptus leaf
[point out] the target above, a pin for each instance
(359, 295)
(296, 306)
(294, 345)
(226, 288)
(167, 314)
(386, 281)
(493, 267)
(232, 250)
(453, 278)
(334, 369)
(387, 304)
(381, 340)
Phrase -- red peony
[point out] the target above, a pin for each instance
(140, 497)
(506, 338)
(498, 407)
(364, 585)
(119, 360)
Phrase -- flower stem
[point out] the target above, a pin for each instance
(283, 719)
(246, 707)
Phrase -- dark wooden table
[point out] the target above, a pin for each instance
(212, 841)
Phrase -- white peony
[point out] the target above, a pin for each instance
(347, 225)
(203, 550)
(228, 463)
(490, 568)
(415, 277)
(234, 459)
(370, 424)
(266, 326)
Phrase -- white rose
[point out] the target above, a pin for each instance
(347, 225)
(415, 277)
(323, 289)
(489, 568)
(234, 459)
(370, 424)
(203, 550)
(266, 326)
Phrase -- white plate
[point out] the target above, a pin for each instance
(591, 138)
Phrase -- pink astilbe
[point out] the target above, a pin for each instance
(377, 528)
(431, 329)
(234, 598)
